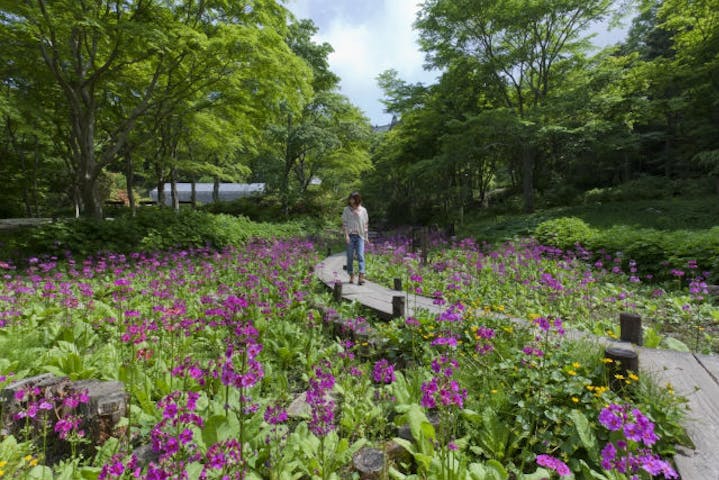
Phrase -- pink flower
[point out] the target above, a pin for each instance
(554, 464)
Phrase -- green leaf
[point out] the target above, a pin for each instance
(586, 435)
(492, 470)
(676, 345)
(219, 428)
(540, 474)
(40, 472)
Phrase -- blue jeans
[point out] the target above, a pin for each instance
(356, 244)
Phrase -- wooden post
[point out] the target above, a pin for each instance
(338, 291)
(623, 361)
(329, 251)
(398, 306)
(631, 328)
(398, 284)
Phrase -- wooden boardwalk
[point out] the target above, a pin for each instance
(693, 376)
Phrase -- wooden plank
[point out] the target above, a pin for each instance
(691, 380)
(710, 364)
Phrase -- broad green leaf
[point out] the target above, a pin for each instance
(676, 345)
(586, 435)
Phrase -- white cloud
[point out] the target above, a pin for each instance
(371, 36)
(367, 43)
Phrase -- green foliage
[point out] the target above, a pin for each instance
(649, 188)
(152, 229)
(564, 232)
(653, 250)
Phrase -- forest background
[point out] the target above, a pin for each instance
(103, 101)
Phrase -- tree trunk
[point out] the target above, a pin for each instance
(627, 167)
(82, 118)
(285, 185)
(216, 190)
(35, 174)
(161, 192)
(193, 194)
(130, 180)
(528, 178)
(173, 190)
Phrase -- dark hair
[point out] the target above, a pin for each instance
(356, 197)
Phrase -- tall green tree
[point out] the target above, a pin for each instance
(525, 47)
(327, 139)
(148, 55)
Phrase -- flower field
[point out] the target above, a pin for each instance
(232, 370)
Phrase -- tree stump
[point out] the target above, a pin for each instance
(369, 463)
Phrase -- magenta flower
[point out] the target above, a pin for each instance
(555, 464)
(275, 415)
(383, 372)
(630, 453)
(321, 403)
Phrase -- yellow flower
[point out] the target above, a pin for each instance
(575, 399)
(533, 316)
(3, 463)
(2, 472)
(27, 458)
(576, 365)
(493, 391)
(619, 376)
(33, 462)
(571, 372)
(634, 377)
(607, 360)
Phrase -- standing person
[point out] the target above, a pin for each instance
(355, 224)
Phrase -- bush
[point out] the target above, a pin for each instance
(259, 209)
(152, 229)
(564, 232)
(655, 251)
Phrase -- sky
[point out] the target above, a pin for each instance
(371, 36)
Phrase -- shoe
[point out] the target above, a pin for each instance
(352, 279)
(361, 279)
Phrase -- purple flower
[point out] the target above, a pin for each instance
(449, 341)
(383, 372)
(554, 464)
(275, 415)
(612, 417)
(485, 332)
(321, 404)
(542, 323)
(609, 453)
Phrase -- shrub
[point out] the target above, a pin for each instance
(152, 229)
(564, 232)
(655, 251)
